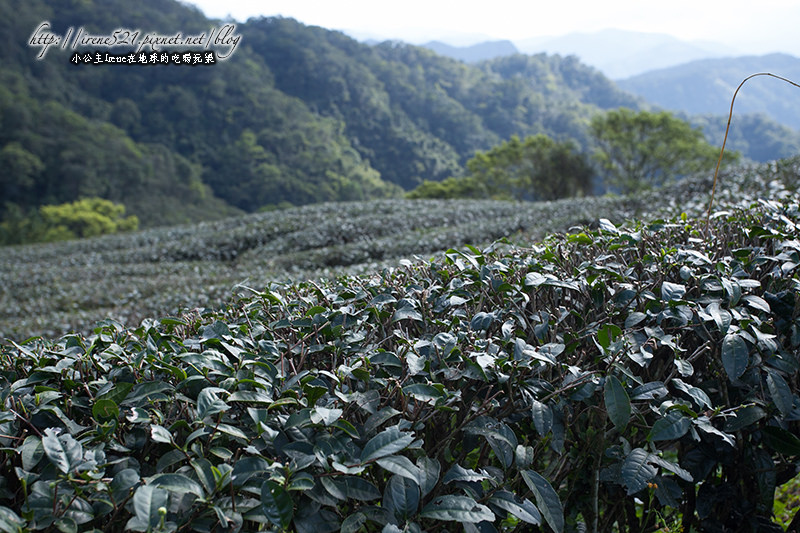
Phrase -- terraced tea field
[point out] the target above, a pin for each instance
(50, 289)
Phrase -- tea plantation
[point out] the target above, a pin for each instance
(53, 289)
(521, 374)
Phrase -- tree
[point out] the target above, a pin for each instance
(19, 170)
(87, 217)
(449, 188)
(536, 168)
(643, 150)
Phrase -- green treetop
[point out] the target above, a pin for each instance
(641, 150)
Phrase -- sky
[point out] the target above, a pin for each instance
(749, 26)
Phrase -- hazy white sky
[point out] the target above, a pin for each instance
(749, 25)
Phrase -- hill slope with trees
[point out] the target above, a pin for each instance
(296, 115)
(627, 377)
(706, 86)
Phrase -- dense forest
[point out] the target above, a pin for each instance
(295, 115)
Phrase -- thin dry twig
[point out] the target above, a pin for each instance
(727, 128)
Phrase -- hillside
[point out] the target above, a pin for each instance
(49, 289)
(757, 135)
(296, 115)
(619, 377)
(706, 87)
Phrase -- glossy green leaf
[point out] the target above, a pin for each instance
(757, 302)
(231, 430)
(10, 522)
(670, 427)
(256, 397)
(458, 509)
(608, 334)
(149, 504)
(402, 497)
(277, 504)
(525, 510)
(209, 403)
(31, 452)
(698, 395)
(524, 456)
(104, 410)
(353, 523)
(459, 473)
(672, 467)
(358, 488)
(177, 483)
(423, 392)
(542, 417)
(147, 391)
(634, 319)
(64, 451)
(205, 474)
(429, 472)
(637, 471)
(387, 442)
(407, 313)
(672, 291)
(649, 391)
(400, 465)
(744, 417)
(123, 482)
(347, 427)
(547, 500)
(782, 441)
(301, 481)
(160, 434)
(481, 321)
(618, 405)
(735, 356)
(722, 317)
(325, 416)
(499, 435)
(780, 392)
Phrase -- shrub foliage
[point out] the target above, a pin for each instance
(608, 379)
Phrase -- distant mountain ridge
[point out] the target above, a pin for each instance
(617, 53)
(707, 86)
(621, 53)
(477, 52)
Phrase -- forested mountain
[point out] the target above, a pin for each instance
(297, 114)
(706, 86)
(757, 135)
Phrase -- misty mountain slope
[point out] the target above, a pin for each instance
(707, 86)
(621, 53)
(474, 53)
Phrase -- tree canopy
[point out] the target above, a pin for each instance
(534, 168)
(642, 150)
(87, 217)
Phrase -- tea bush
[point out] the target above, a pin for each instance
(615, 378)
(56, 288)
